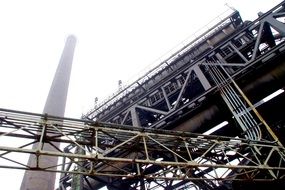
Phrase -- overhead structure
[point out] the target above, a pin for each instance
(221, 76)
(55, 105)
(169, 95)
(204, 118)
(137, 158)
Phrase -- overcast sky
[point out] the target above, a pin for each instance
(116, 40)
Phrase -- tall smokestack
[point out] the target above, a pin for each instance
(55, 105)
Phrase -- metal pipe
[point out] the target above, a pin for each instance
(257, 86)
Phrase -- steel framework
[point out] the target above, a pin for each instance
(149, 158)
(181, 83)
(181, 92)
(104, 149)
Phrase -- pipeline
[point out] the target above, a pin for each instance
(258, 85)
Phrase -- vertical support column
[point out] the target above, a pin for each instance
(135, 118)
(55, 105)
(77, 179)
(204, 81)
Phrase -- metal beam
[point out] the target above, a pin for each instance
(178, 151)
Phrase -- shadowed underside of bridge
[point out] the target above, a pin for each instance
(154, 134)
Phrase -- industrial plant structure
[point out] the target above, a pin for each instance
(210, 116)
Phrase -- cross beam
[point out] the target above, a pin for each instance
(126, 152)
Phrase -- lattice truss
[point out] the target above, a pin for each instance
(182, 83)
(99, 153)
(150, 158)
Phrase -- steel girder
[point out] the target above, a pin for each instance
(141, 158)
(181, 83)
(123, 157)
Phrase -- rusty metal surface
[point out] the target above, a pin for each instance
(135, 153)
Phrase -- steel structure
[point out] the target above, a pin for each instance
(204, 83)
(180, 84)
(144, 158)
(143, 138)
